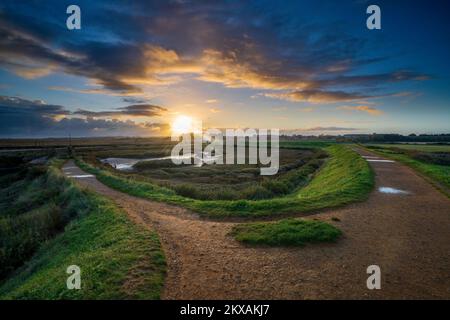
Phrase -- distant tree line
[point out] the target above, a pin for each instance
(435, 138)
(375, 137)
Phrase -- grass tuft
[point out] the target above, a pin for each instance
(287, 232)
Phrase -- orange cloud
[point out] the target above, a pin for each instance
(229, 70)
(370, 110)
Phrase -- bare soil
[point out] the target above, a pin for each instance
(407, 235)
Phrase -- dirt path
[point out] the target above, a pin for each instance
(407, 235)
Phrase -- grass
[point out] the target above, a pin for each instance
(286, 232)
(438, 174)
(343, 179)
(118, 259)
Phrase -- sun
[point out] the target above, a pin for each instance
(182, 125)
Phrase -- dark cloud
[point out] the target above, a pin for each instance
(374, 79)
(31, 58)
(245, 44)
(15, 105)
(136, 110)
(134, 100)
(25, 118)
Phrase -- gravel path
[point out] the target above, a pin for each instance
(407, 234)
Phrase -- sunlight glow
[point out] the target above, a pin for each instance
(182, 125)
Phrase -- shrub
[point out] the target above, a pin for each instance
(277, 187)
(257, 192)
(228, 194)
(186, 190)
(153, 164)
(439, 158)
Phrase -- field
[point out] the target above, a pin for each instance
(242, 220)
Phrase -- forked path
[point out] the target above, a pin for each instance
(407, 235)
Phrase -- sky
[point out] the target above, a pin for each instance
(305, 67)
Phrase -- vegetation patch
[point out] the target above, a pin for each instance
(286, 232)
(220, 182)
(344, 178)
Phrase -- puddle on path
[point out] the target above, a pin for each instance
(392, 190)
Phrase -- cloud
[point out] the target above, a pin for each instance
(136, 110)
(16, 105)
(116, 67)
(374, 79)
(212, 101)
(364, 108)
(158, 128)
(330, 129)
(317, 96)
(160, 44)
(95, 91)
(16, 47)
(215, 110)
(134, 100)
(248, 70)
(28, 71)
(34, 118)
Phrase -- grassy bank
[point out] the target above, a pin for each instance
(36, 203)
(439, 175)
(118, 259)
(287, 232)
(344, 178)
